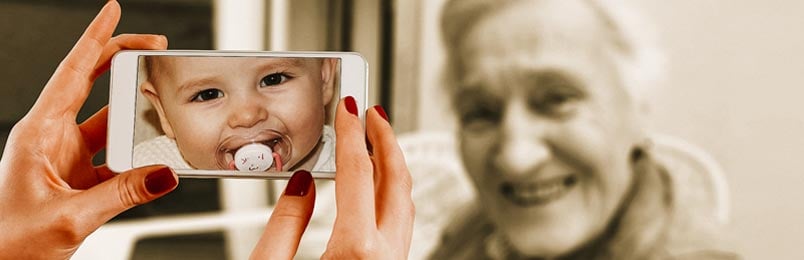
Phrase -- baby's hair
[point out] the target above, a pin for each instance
(148, 66)
(639, 62)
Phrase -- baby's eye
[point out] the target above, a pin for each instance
(273, 79)
(207, 94)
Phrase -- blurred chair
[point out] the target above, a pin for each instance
(697, 176)
(440, 186)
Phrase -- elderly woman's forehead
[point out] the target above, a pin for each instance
(526, 23)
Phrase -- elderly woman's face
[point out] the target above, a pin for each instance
(546, 125)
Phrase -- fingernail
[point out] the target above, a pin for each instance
(382, 113)
(299, 183)
(160, 181)
(351, 106)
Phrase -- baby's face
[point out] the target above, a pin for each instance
(202, 101)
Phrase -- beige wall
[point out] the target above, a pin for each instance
(735, 88)
(735, 76)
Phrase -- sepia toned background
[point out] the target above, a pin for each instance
(732, 85)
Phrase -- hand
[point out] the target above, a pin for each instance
(372, 190)
(53, 197)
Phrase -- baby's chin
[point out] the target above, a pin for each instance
(200, 165)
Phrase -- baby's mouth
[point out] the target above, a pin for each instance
(527, 194)
(268, 150)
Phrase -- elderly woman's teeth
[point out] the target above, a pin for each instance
(537, 193)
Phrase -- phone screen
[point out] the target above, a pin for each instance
(242, 113)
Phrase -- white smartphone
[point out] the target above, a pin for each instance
(213, 114)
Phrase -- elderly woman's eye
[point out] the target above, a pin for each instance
(555, 103)
(273, 79)
(479, 117)
(207, 94)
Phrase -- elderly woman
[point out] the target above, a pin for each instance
(552, 138)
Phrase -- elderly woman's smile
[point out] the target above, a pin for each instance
(536, 193)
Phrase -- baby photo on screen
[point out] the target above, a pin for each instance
(237, 113)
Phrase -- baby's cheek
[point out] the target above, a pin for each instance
(199, 153)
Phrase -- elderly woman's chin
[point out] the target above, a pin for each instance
(559, 228)
(556, 240)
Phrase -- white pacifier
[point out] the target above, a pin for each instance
(254, 157)
(267, 150)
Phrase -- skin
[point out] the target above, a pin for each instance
(53, 195)
(547, 127)
(240, 97)
(375, 211)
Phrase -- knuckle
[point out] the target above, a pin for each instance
(356, 163)
(363, 250)
(67, 227)
(289, 214)
(128, 193)
(77, 69)
(406, 182)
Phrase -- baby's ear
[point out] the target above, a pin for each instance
(329, 71)
(149, 91)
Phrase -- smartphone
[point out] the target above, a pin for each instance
(214, 114)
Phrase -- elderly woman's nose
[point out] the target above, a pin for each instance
(246, 113)
(522, 146)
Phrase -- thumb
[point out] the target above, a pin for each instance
(124, 191)
(289, 219)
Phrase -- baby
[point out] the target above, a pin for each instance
(242, 113)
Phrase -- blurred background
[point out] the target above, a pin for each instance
(732, 86)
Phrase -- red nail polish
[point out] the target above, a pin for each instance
(160, 181)
(382, 113)
(351, 106)
(299, 183)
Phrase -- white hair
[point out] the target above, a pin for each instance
(639, 61)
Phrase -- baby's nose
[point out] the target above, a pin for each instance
(247, 114)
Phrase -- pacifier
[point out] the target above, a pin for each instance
(268, 150)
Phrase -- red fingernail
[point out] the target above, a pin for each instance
(160, 181)
(351, 106)
(299, 183)
(382, 113)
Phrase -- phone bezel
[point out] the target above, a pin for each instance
(123, 91)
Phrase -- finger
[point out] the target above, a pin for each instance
(127, 42)
(93, 130)
(70, 84)
(395, 209)
(119, 193)
(103, 173)
(289, 219)
(354, 188)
